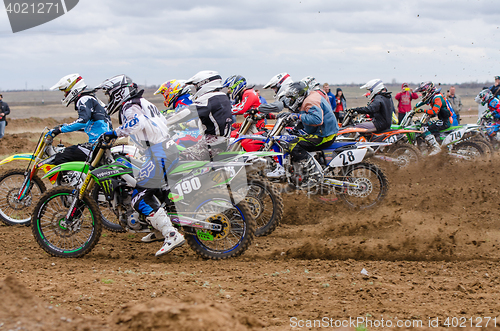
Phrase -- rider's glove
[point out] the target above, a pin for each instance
(293, 117)
(54, 132)
(108, 136)
(419, 110)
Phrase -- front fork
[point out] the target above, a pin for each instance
(74, 211)
(27, 184)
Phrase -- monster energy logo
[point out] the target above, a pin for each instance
(106, 186)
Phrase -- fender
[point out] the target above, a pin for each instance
(79, 166)
(18, 157)
(350, 130)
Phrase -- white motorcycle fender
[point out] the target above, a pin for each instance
(351, 156)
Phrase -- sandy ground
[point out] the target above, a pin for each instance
(430, 251)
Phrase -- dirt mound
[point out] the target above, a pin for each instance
(438, 210)
(21, 310)
(17, 143)
(192, 314)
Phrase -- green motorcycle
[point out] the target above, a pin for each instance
(206, 200)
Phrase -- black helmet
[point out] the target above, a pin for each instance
(118, 89)
(295, 95)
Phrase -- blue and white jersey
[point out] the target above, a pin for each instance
(143, 122)
(92, 118)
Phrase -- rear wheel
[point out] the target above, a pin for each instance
(57, 237)
(372, 185)
(405, 154)
(12, 210)
(468, 150)
(238, 228)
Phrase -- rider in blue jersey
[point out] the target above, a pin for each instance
(92, 118)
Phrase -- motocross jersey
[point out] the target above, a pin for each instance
(380, 109)
(317, 115)
(92, 118)
(182, 101)
(494, 106)
(214, 111)
(143, 122)
(249, 100)
(439, 108)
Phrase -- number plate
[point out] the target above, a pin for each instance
(345, 158)
(454, 136)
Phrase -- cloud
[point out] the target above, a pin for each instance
(335, 41)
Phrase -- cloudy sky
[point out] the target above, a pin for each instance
(335, 41)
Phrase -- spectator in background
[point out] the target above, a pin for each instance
(263, 100)
(330, 95)
(455, 101)
(341, 104)
(4, 111)
(495, 88)
(404, 100)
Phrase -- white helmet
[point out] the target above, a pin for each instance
(204, 82)
(279, 84)
(374, 86)
(311, 82)
(72, 85)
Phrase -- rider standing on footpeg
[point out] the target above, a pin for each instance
(439, 108)
(147, 128)
(316, 114)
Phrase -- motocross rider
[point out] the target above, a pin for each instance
(177, 99)
(245, 98)
(92, 118)
(439, 108)
(380, 107)
(485, 97)
(147, 128)
(313, 109)
(278, 84)
(213, 108)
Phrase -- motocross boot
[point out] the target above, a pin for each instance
(434, 144)
(161, 222)
(153, 236)
(277, 173)
(311, 173)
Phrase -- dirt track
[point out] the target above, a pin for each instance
(431, 250)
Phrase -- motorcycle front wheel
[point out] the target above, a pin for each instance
(58, 238)
(12, 210)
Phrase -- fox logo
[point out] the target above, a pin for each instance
(27, 14)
